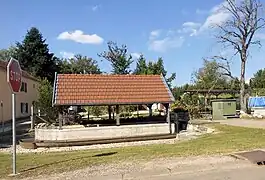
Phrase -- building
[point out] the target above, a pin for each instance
(24, 99)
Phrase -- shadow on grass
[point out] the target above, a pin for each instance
(67, 160)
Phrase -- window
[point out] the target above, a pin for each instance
(33, 85)
(24, 108)
(229, 104)
(24, 87)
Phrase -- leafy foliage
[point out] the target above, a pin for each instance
(257, 83)
(6, 54)
(118, 57)
(155, 68)
(34, 56)
(45, 100)
(79, 64)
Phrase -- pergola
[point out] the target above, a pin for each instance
(111, 91)
(215, 92)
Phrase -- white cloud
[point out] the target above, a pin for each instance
(155, 34)
(135, 55)
(67, 55)
(191, 24)
(80, 37)
(95, 8)
(200, 11)
(162, 45)
(189, 27)
(218, 16)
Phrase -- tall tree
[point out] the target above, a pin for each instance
(210, 76)
(79, 64)
(141, 67)
(239, 31)
(34, 56)
(118, 57)
(257, 83)
(6, 54)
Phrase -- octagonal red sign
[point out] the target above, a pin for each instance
(14, 75)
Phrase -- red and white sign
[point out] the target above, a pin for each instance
(14, 75)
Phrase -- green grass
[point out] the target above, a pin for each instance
(229, 139)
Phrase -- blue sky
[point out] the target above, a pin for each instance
(178, 31)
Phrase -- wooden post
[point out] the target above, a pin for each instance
(113, 112)
(150, 109)
(117, 115)
(137, 111)
(168, 118)
(109, 110)
(60, 117)
(32, 117)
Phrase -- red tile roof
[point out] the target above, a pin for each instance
(87, 89)
(3, 65)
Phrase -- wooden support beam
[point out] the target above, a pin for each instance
(150, 109)
(168, 118)
(117, 115)
(60, 117)
(109, 111)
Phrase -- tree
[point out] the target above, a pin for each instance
(44, 102)
(210, 76)
(154, 68)
(257, 83)
(6, 54)
(238, 32)
(79, 64)
(141, 67)
(118, 57)
(34, 56)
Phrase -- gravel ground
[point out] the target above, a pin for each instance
(5, 149)
(154, 169)
(181, 137)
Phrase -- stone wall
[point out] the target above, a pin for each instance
(101, 132)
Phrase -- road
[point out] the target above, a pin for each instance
(199, 168)
(244, 123)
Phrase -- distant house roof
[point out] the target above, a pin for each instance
(256, 102)
(87, 89)
(3, 65)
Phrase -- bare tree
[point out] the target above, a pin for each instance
(239, 30)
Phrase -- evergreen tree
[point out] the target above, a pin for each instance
(141, 67)
(118, 57)
(34, 56)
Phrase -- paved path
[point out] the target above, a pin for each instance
(199, 168)
(244, 123)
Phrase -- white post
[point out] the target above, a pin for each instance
(32, 117)
(2, 118)
(14, 132)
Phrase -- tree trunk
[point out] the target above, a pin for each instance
(242, 83)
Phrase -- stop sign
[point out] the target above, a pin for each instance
(14, 74)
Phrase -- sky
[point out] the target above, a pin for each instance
(181, 32)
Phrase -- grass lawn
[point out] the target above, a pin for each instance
(229, 139)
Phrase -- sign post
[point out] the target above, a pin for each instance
(14, 74)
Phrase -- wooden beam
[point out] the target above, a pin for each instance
(109, 111)
(150, 109)
(168, 118)
(117, 115)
